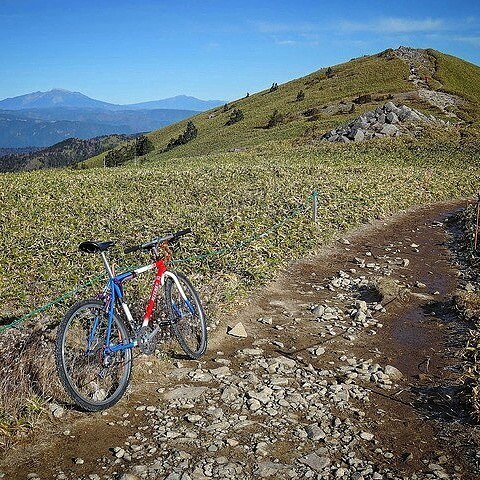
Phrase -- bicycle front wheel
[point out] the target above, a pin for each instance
(187, 316)
(93, 377)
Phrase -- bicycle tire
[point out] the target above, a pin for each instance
(92, 310)
(182, 316)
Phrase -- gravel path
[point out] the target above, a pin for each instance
(347, 372)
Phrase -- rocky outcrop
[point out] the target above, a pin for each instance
(415, 56)
(387, 121)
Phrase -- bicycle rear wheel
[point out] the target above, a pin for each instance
(187, 316)
(94, 379)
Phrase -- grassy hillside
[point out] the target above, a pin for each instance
(349, 80)
(460, 78)
(327, 103)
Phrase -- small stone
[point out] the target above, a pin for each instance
(318, 310)
(361, 305)
(315, 462)
(366, 436)
(469, 287)
(314, 432)
(389, 130)
(360, 316)
(193, 418)
(359, 135)
(261, 449)
(266, 320)
(58, 412)
(389, 106)
(406, 262)
(251, 351)
(316, 350)
(268, 469)
(340, 472)
(129, 476)
(237, 331)
(393, 372)
(78, 461)
(391, 118)
(119, 452)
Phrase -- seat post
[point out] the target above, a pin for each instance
(107, 265)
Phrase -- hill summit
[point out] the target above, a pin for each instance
(428, 81)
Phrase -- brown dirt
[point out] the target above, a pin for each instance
(423, 420)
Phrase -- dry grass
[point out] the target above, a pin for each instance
(468, 303)
(28, 379)
(470, 354)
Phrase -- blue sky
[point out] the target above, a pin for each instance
(131, 51)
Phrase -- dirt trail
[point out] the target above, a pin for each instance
(333, 381)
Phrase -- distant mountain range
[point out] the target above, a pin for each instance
(58, 97)
(41, 119)
(180, 102)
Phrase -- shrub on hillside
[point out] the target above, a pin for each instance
(273, 87)
(143, 145)
(329, 73)
(235, 116)
(189, 134)
(300, 96)
(275, 118)
(362, 99)
(119, 156)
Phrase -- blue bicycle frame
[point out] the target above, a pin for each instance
(114, 287)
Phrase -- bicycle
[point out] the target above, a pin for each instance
(94, 342)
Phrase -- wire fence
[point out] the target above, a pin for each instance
(304, 207)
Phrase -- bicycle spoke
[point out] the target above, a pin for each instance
(94, 375)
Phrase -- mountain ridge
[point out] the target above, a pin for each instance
(59, 97)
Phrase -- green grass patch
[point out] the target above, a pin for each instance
(224, 197)
(461, 78)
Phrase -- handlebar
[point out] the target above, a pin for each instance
(156, 241)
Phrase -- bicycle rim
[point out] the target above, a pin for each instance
(93, 378)
(187, 317)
